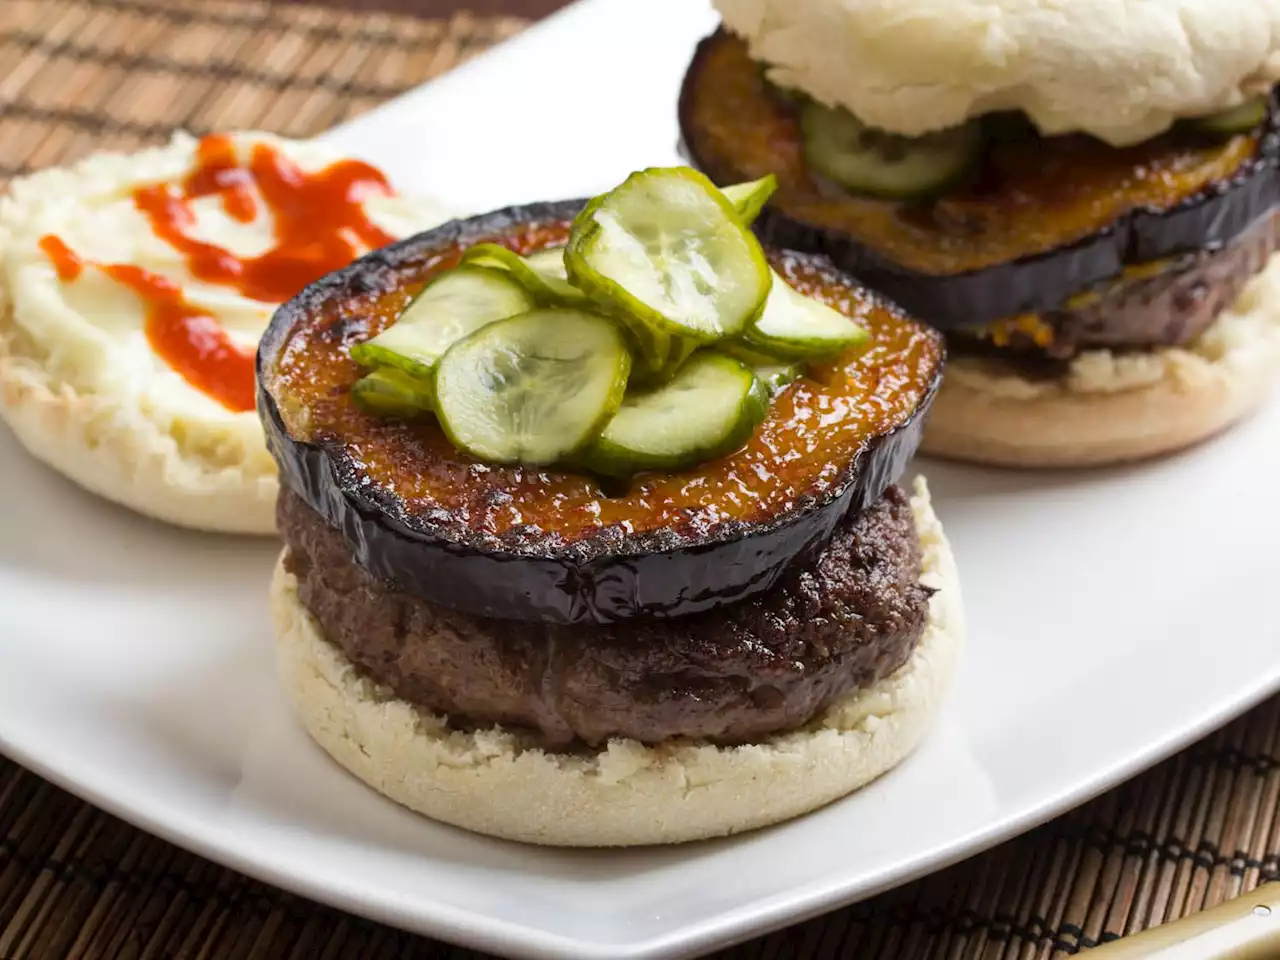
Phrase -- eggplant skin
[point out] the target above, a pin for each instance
(608, 577)
(1038, 283)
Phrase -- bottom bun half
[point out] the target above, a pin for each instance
(625, 794)
(111, 448)
(1114, 407)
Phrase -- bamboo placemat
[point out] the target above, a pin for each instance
(76, 883)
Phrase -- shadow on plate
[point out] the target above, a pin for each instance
(54, 528)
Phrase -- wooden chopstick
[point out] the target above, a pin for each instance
(1246, 928)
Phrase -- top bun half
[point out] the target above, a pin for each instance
(1121, 70)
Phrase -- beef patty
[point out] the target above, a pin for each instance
(1166, 308)
(843, 621)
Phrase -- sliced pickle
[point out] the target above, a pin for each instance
(542, 274)
(797, 327)
(667, 250)
(869, 161)
(773, 371)
(749, 198)
(776, 377)
(678, 351)
(532, 388)
(710, 408)
(753, 355)
(1238, 119)
(656, 353)
(391, 392)
(549, 261)
(450, 307)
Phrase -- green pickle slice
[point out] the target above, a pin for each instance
(450, 307)
(1238, 119)
(542, 274)
(797, 327)
(748, 199)
(533, 388)
(869, 161)
(773, 371)
(549, 261)
(667, 250)
(710, 408)
(391, 392)
(777, 376)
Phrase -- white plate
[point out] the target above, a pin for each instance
(1114, 616)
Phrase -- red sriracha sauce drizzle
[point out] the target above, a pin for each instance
(320, 226)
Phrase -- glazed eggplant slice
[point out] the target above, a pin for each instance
(1036, 222)
(523, 543)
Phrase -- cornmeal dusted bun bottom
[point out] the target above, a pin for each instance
(625, 794)
(1112, 407)
(80, 385)
(1120, 70)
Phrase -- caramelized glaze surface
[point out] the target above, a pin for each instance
(804, 449)
(1028, 198)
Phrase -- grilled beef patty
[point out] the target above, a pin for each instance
(732, 675)
(1168, 308)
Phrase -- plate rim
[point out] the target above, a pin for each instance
(432, 918)
(481, 931)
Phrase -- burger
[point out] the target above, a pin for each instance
(1081, 196)
(592, 530)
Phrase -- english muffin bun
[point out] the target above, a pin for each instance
(80, 384)
(1113, 407)
(1119, 70)
(494, 782)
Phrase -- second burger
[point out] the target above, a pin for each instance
(1084, 201)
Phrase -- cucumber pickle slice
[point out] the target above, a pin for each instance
(869, 161)
(1238, 119)
(390, 392)
(659, 354)
(749, 198)
(772, 371)
(450, 307)
(709, 409)
(666, 249)
(532, 388)
(542, 274)
(549, 261)
(797, 327)
(775, 377)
